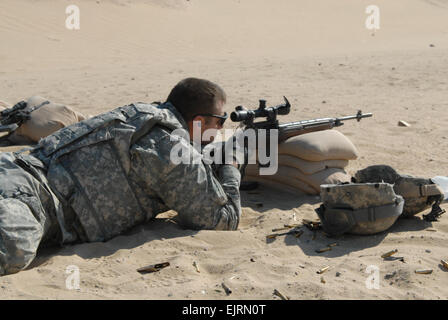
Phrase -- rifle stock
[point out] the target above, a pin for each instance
(288, 132)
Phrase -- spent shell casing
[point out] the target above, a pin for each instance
(322, 280)
(312, 225)
(444, 263)
(291, 225)
(323, 270)
(424, 271)
(154, 267)
(390, 253)
(334, 244)
(280, 295)
(226, 289)
(196, 266)
(394, 259)
(280, 229)
(275, 235)
(323, 250)
(298, 233)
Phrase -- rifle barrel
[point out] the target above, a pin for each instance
(318, 122)
(358, 116)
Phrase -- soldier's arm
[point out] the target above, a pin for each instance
(202, 199)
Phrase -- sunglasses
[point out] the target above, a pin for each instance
(222, 118)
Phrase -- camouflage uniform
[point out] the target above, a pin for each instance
(27, 211)
(113, 171)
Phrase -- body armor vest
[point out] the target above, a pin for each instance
(88, 165)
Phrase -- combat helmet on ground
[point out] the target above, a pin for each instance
(364, 209)
(419, 193)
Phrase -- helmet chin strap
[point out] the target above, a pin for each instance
(435, 213)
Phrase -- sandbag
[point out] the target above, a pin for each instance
(310, 184)
(319, 146)
(277, 185)
(310, 167)
(44, 121)
(279, 178)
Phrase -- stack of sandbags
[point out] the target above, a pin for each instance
(46, 119)
(307, 161)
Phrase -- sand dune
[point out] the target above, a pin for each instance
(317, 53)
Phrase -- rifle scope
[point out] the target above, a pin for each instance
(243, 114)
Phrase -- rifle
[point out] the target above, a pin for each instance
(285, 130)
(12, 118)
(8, 128)
(290, 129)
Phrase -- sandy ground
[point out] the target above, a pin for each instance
(317, 53)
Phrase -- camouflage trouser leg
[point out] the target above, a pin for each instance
(25, 213)
(20, 235)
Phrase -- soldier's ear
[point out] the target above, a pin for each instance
(198, 121)
(196, 124)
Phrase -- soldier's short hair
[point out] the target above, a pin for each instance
(192, 96)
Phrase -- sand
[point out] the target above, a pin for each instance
(318, 54)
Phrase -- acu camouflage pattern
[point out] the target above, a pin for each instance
(113, 171)
(408, 187)
(360, 196)
(27, 211)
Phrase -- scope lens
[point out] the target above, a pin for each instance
(238, 116)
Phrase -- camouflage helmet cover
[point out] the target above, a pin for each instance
(366, 208)
(419, 193)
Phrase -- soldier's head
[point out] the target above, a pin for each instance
(201, 104)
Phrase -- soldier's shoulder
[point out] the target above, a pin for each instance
(163, 137)
(165, 111)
